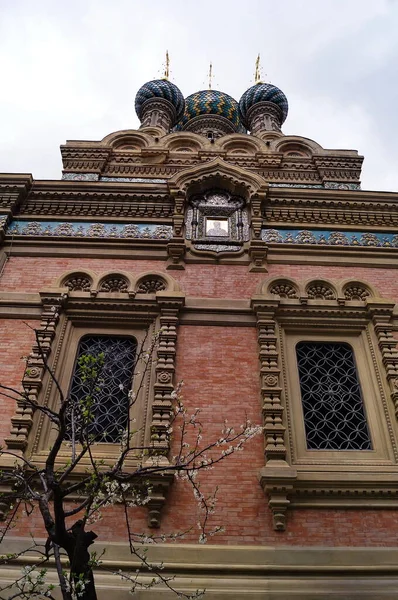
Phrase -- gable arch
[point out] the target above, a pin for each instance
(218, 174)
(128, 137)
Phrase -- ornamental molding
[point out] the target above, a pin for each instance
(347, 211)
(348, 307)
(94, 284)
(61, 308)
(202, 175)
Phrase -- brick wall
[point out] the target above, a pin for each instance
(220, 368)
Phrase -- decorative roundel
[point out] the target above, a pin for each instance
(263, 92)
(210, 102)
(160, 88)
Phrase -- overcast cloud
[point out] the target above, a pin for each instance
(71, 69)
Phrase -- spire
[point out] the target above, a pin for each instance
(210, 75)
(167, 67)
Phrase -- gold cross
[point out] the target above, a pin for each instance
(210, 75)
(166, 70)
(257, 75)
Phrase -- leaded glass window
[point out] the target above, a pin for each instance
(110, 396)
(334, 415)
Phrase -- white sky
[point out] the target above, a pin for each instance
(70, 69)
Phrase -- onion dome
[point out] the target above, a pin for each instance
(210, 109)
(163, 91)
(259, 93)
(211, 102)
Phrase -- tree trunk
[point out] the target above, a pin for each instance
(79, 559)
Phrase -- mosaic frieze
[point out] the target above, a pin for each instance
(336, 185)
(329, 185)
(96, 177)
(90, 230)
(330, 238)
(80, 176)
(297, 185)
(133, 179)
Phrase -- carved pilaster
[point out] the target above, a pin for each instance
(165, 368)
(276, 473)
(33, 377)
(176, 248)
(381, 313)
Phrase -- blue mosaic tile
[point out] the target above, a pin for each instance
(298, 185)
(82, 229)
(337, 185)
(160, 88)
(263, 92)
(330, 238)
(133, 179)
(210, 102)
(80, 176)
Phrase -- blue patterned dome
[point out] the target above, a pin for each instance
(210, 102)
(160, 88)
(263, 92)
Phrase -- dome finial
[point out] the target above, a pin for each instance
(257, 75)
(167, 67)
(210, 75)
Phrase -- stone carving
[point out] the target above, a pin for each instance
(32, 381)
(114, 284)
(151, 285)
(78, 283)
(320, 291)
(284, 290)
(356, 292)
(274, 428)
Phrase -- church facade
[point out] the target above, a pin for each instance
(272, 277)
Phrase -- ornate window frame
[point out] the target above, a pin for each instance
(289, 311)
(79, 304)
(218, 174)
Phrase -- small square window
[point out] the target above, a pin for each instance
(217, 227)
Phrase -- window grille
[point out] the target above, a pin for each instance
(111, 405)
(333, 408)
